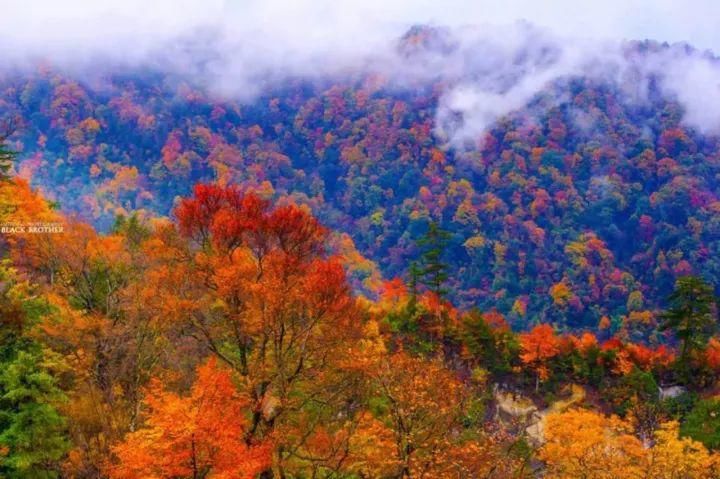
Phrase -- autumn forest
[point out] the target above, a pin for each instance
(344, 277)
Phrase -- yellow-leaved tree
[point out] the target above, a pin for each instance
(582, 443)
(586, 444)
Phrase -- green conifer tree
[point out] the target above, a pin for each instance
(691, 317)
(33, 437)
(433, 271)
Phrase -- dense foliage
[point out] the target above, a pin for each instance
(583, 207)
(228, 343)
(208, 304)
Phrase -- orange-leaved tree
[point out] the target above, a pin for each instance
(201, 435)
(538, 346)
(424, 408)
(253, 283)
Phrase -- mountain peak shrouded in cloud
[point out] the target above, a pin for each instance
(491, 61)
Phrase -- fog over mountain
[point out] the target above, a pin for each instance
(491, 59)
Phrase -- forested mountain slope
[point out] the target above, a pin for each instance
(584, 203)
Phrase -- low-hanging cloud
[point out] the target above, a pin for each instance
(540, 59)
(492, 58)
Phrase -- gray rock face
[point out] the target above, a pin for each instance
(671, 392)
(512, 407)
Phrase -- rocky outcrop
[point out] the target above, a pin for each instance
(513, 408)
(671, 392)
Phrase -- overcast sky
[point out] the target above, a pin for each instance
(48, 25)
